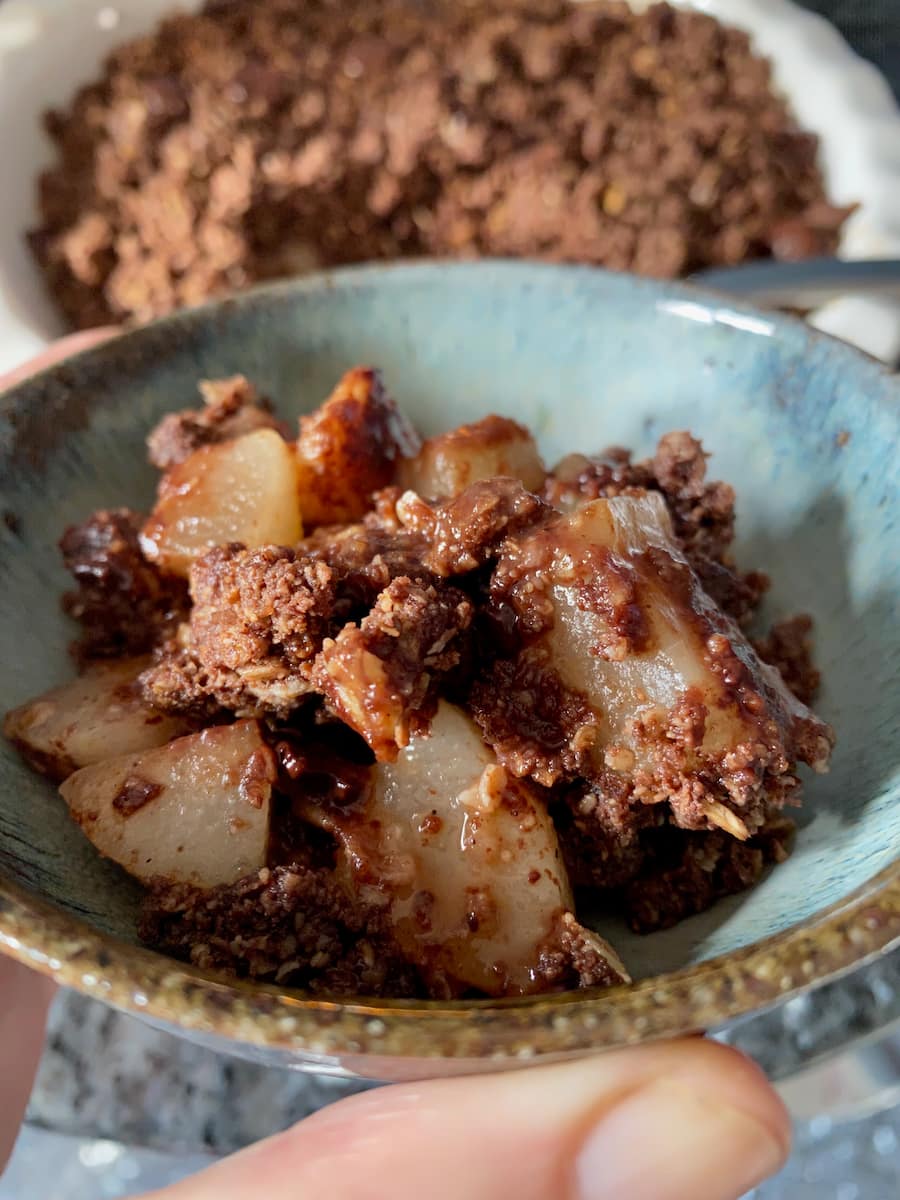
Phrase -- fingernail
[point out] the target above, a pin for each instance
(665, 1142)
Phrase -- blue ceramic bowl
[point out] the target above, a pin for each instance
(804, 427)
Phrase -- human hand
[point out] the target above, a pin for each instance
(682, 1120)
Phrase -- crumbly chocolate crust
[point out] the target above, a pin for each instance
(232, 407)
(259, 138)
(124, 603)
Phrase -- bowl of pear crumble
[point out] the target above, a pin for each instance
(416, 667)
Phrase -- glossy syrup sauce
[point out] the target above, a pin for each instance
(329, 771)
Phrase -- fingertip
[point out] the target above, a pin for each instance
(72, 343)
(725, 1073)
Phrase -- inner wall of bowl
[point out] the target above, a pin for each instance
(585, 359)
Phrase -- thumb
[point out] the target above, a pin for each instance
(686, 1120)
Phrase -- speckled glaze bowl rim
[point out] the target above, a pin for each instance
(863, 924)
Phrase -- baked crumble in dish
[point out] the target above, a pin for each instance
(254, 139)
(372, 715)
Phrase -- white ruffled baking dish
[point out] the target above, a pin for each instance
(49, 47)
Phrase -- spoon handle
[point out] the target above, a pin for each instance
(806, 284)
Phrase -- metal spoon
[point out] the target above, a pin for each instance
(807, 284)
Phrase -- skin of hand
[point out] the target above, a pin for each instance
(681, 1120)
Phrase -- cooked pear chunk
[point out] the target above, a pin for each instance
(350, 447)
(469, 862)
(448, 463)
(679, 702)
(244, 490)
(96, 716)
(194, 811)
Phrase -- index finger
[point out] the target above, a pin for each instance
(56, 352)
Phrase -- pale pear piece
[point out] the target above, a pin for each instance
(681, 704)
(467, 859)
(97, 715)
(449, 462)
(244, 490)
(195, 811)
